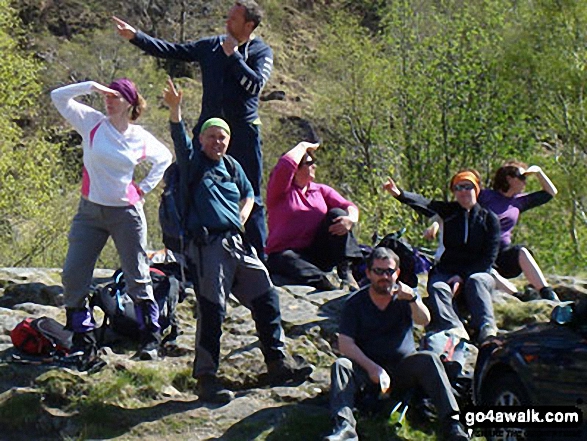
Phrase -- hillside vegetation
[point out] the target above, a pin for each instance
(412, 89)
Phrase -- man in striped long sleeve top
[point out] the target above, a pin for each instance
(235, 67)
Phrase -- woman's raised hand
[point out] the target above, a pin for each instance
(391, 187)
(103, 90)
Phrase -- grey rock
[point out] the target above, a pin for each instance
(37, 310)
(32, 292)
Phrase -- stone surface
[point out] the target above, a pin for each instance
(310, 322)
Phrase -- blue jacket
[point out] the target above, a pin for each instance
(231, 85)
(214, 202)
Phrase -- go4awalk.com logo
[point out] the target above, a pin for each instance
(523, 421)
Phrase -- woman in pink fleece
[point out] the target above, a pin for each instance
(111, 204)
(310, 224)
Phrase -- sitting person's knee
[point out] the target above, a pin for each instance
(484, 279)
(438, 286)
(333, 213)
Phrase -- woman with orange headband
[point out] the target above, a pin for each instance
(471, 242)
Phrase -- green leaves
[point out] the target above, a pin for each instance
(446, 85)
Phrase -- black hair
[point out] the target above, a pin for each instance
(253, 11)
(381, 253)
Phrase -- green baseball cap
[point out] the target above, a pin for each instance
(215, 122)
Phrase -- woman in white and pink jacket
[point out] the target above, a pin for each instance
(111, 204)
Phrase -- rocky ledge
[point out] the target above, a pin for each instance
(155, 400)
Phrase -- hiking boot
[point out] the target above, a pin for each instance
(548, 293)
(286, 370)
(84, 345)
(148, 352)
(454, 431)
(343, 432)
(324, 284)
(350, 284)
(487, 330)
(211, 390)
(528, 294)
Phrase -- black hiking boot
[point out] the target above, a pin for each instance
(548, 293)
(148, 352)
(211, 390)
(288, 370)
(453, 431)
(528, 294)
(150, 347)
(84, 351)
(324, 284)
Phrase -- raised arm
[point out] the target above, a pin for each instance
(125, 30)
(544, 180)
(155, 46)
(181, 140)
(282, 175)
(299, 151)
(81, 116)
(418, 202)
(172, 97)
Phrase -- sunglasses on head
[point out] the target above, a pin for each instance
(384, 271)
(460, 187)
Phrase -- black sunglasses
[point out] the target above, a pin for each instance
(521, 177)
(460, 187)
(384, 271)
(308, 163)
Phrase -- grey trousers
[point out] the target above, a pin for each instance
(476, 294)
(90, 229)
(222, 266)
(420, 369)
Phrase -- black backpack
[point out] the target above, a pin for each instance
(119, 309)
(174, 204)
(412, 262)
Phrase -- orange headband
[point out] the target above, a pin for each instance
(466, 176)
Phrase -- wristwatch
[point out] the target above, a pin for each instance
(414, 298)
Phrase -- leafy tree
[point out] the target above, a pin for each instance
(421, 98)
(31, 179)
(546, 61)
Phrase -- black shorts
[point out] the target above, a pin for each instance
(508, 261)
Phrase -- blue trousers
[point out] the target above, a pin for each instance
(476, 294)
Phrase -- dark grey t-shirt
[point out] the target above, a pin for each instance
(384, 336)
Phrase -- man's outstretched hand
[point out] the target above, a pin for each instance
(125, 30)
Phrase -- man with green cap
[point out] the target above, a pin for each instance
(220, 262)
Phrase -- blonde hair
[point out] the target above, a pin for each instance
(137, 109)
